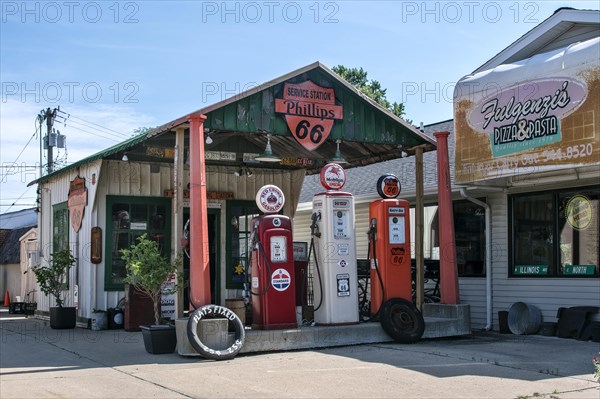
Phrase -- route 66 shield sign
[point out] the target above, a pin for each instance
(310, 112)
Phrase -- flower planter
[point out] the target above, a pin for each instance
(159, 339)
(63, 317)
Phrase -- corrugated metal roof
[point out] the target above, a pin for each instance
(102, 154)
(370, 133)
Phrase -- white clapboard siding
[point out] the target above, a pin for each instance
(55, 191)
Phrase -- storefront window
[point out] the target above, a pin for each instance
(469, 234)
(578, 227)
(555, 234)
(127, 219)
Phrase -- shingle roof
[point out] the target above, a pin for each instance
(362, 180)
(10, 250)
(22, 218)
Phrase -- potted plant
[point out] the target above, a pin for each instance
(148, 271)
(52, 280)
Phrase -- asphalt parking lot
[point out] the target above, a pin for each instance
(38, 362)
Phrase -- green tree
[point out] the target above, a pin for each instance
(358, 78)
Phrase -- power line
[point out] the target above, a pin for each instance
(21, 196)
(114, 132)
(21, 153)
(79, 129)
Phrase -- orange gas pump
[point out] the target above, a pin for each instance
(390, 258)
(390, 249)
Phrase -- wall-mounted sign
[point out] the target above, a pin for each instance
(220, 156)
(270, 199)
(77, 200)
(160, 152)
(529, 117)
(96, 245)
(333, 176)
(309, 111)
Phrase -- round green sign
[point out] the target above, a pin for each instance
(579, 212)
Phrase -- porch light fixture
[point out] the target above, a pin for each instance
(208, 139)
(338, 158)
(268, 155)
(125, 157)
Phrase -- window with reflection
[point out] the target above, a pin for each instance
(239, 229)
(555, 233)
(127, 219)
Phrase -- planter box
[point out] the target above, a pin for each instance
(63, 318)
(159, 339)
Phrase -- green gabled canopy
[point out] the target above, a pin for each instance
(368, 132)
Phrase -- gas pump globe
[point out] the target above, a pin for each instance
(334, 270)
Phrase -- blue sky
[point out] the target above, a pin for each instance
(115, 66)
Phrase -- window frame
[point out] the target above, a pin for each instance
(553, 269)
(109, 285)
(249, 205)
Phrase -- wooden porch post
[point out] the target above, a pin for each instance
(178, 209)
(419, 230)
(199, 261)
(448, 267)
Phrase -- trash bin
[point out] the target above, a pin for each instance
(503, 322)
(524, 319)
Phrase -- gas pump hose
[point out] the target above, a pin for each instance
(314, 232)
(372, 240)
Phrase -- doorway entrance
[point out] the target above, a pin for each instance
(214, 218)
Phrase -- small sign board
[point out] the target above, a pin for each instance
(580, 270)
(528, 270)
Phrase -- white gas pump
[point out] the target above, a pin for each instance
(334, 244)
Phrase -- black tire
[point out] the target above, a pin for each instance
(402, 321)
(214, 312)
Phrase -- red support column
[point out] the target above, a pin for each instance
(199, 261)
(448, 267)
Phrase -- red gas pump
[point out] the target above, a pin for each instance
(389, 253)
(272, 265)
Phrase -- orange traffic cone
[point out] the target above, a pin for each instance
(6, 299)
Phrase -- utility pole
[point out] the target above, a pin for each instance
(52, 139)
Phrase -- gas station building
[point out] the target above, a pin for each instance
(274, 134)
(525, 166)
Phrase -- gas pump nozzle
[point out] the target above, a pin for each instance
(373, 230)
(314, 227)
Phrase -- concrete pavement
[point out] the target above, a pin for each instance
(36, 361)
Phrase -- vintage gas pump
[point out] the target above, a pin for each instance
(272, 263)
(389, 244)
(334, 280)
(390, 257)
